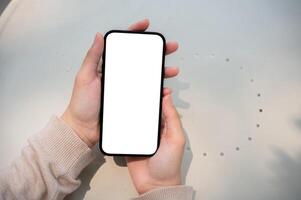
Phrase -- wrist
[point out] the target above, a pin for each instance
(158, 184)
(78, 127)
(169, 192)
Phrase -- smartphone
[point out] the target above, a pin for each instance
(131, 93)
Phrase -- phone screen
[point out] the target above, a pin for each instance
(132, 84)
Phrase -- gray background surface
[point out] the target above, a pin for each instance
(229, 52)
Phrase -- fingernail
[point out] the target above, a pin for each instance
(98, 34)
(177, 44)
(145, 19)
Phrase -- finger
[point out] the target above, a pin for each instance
(166, 91)
(171, 117)
(143, 25)
(171, 47)
(170, 72)
(139, 26)
(93, 56)
(162, 125)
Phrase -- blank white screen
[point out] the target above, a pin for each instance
(133, 67)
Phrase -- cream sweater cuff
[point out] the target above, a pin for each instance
(63, 147)
(180, 192)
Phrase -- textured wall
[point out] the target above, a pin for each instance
(236, 57)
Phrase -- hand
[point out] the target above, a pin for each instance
(164, 168)
(82, 113)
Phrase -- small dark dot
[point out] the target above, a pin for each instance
(241, 67)
(204, 154)
(259, 95)
(257, 125)
(249, 138)
(188, 148)
(221, 154)
(237, 148)
(260, 110)
(251, 80)
(227, 59)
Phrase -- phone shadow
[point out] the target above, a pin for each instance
(86, 176)
(297, 123)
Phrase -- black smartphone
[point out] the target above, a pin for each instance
(131, 93)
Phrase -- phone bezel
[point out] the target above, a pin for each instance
(103, 89)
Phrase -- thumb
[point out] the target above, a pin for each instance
(93, 56)
(171, 116)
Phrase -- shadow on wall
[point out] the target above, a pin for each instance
(287, 176)
(287, 173)
(3, 5)
(187, 159)
(176, 87)
(86, 176)
(298, 123)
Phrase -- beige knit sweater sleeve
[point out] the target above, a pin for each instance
(49, 165)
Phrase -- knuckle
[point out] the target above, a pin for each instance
(78, 77)
(180, 140)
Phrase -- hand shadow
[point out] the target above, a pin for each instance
(187, 159)
(286, 175)
(176, 86)
(287, 171)
(86, 175)
(298, 123)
